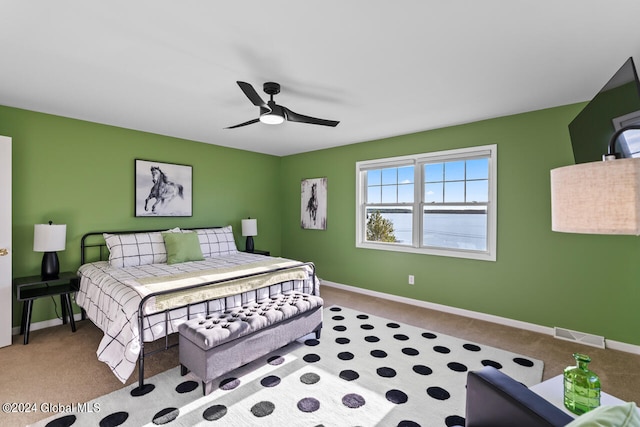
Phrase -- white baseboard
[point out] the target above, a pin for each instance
(44, 324)
(614, 345)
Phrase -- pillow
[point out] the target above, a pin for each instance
(623, 415)
(133, 249)
(182, 247)
(217, 241)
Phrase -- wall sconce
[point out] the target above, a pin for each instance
(49, 238)
(249, 229)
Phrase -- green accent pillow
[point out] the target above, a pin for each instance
(623, 415)
(182, 247)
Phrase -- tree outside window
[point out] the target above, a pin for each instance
(380, 229)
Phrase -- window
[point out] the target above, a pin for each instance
(629, 141)
(441, 203)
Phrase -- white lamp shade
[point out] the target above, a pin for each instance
(597, 198)
(49, 237)
(249, 227)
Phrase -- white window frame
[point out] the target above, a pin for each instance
(417, 160)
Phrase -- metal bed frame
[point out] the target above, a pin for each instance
(143, 388)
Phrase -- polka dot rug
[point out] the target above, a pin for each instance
(364, 371)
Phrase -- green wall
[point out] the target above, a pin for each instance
(82, 174)
(580, 282)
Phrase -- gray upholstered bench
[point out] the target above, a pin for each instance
(220, 342)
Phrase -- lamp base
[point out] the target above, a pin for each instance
(50, 266)
(249, 245)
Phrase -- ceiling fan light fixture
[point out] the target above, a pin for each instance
(271, 118)
(272, 113)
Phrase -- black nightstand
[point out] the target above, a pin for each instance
(31, 288)
(259, 252)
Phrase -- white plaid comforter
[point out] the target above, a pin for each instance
(112, 304)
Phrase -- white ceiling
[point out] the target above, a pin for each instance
(381, 67)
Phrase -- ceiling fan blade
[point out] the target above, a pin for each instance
(250, 122)
(301, 118)
(252, 95)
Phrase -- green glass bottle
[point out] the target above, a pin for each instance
(581, 386)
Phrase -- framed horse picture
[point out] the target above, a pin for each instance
(313, 210)
(163, 189)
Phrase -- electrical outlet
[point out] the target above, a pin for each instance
(412, 280)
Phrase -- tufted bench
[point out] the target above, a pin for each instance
(220, 342)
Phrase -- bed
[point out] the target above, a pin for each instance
(154, 280)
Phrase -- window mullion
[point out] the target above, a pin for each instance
(418, 194)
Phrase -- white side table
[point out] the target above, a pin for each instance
(552, 390)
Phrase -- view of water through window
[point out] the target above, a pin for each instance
(444, 230)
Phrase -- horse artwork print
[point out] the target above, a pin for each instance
(312, 204)
(162, 189)
(313, 214)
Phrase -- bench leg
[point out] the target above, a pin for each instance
(318, 333)
(183, 370)
(207, 387)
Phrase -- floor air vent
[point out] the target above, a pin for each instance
(579, 337)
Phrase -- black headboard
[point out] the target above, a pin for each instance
(95, 240)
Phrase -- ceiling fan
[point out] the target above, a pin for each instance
(272, 113)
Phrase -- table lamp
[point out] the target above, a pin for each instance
(49, 238)
(249, 229)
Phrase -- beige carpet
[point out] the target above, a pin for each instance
(58, 366)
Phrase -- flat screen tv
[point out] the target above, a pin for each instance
(616, 106)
